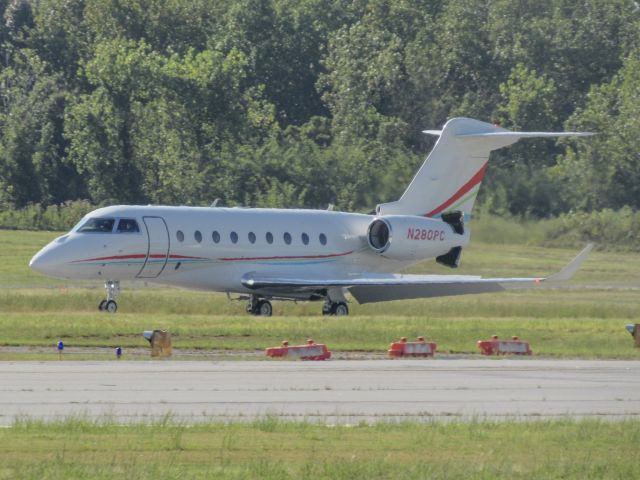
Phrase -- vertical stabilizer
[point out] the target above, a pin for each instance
(450, 177)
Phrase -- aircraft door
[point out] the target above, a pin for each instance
(157, 247)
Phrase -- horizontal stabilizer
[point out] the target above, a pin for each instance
(517, 135)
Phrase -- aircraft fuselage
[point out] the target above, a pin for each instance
(212, 248)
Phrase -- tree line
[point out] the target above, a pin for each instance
(310, 102)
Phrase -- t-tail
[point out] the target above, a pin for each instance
(449, 179)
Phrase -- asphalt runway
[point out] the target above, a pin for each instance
(332, 391)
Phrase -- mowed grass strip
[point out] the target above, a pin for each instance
(583, 337)
(273, 449)
(537, 302)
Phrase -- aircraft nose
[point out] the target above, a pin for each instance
(51, 259)
(43, 261)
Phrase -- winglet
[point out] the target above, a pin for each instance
(572, 267)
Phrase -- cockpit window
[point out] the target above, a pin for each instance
(127, 225)
(97, 225)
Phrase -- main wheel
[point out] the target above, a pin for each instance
(264, 308)
(340, 309)
(111, 306)
(102, 305)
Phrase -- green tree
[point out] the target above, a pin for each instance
(33, 167)
(518, 181)
(98, 124)
(61, 37)
(604, 172)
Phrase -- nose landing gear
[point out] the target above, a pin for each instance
(110, 305)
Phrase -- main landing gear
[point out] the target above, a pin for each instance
(259, 307)
(338, 309)
(109, 305)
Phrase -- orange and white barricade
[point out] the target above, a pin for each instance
(310, 351)
(419, 348)
(495, 346)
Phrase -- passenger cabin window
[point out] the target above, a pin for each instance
(234, 237)
(180, 236)
(287, 238)
(127, 225)
(97, 225)
(215, 236)
(305, 239)
(323, 239)
(198, 236)
(252, 237)
(269, 237)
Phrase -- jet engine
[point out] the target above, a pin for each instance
(407, 237)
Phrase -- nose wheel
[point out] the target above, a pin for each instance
(109, 304)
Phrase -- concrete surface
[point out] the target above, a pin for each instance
(332, 391)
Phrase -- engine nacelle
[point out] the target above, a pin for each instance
(407, 237)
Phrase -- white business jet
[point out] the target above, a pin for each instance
(267, 254)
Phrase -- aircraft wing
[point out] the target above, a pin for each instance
(383, 287)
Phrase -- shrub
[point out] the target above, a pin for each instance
(54, 217)
(610, 229)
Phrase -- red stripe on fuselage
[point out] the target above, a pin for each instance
(138, 256)
(475, 180)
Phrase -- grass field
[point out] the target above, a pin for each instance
(585, 325)
(271, 449)
(585, 320)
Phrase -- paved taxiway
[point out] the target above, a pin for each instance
(341, 391)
